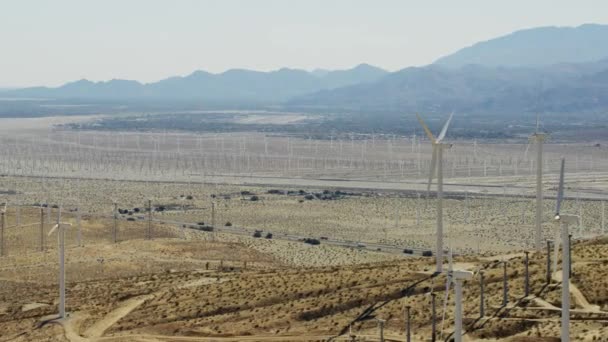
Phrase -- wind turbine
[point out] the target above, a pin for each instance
(538, 138)
(61, 250)
(437, 166)
(565, 220)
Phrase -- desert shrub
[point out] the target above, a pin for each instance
(131, 219)
(136, 210)
(309, 197)
(206, 228)
(275, 192)
(427, 253)
(245, 193)
(228, 224)
(257, 234)
(408, 251)
(189, 197)
(312, 241)
(201, 223)
(269, 236)
(254, 198)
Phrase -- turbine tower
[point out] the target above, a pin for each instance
(61, 252)
(437, 166)
(538, 138)
(565, 220)
(458, 277)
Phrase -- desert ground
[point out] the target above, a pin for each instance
(161, 245)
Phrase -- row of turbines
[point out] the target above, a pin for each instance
(563, 219)
(175, 156)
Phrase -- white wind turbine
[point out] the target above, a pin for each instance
(565, 220)
(538, 138)
(61, 250)
(437, 166)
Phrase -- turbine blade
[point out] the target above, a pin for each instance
(432, 170)
(53, 229)
(527, 149)
(426, 129)
(560, 189)
(444, 130)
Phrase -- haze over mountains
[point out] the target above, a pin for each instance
(542, 69)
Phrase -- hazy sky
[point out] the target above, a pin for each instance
(50, 42)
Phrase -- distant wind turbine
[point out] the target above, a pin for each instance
(538, 138)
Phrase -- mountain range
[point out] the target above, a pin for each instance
(553, 69)
(235, 85)
(535, 47)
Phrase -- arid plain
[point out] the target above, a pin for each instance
(168, 277)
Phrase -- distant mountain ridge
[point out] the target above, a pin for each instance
(562, 87)
(237, 85)
(549, 69)
(555, 69)
(540, 46)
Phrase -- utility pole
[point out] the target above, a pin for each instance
(527, 283)
(78, 222)
(212, 214)
(18, 214)
(149, 233)
(603, 230)
(433, 318)
(548, 262)
(381, 326)
(114, 230)
(41, 229)
(407, 319)
(482, 300)
(505, 285)
(418, 211)
(2, 224)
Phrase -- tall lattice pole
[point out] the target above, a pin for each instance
(115, 228)
(2, 225)
(41, 229)
(149, 233)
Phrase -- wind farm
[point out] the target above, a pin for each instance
(381, 220)
(236, 173)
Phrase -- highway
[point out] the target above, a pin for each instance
(299, 238)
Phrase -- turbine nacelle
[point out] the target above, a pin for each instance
(462, 275)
